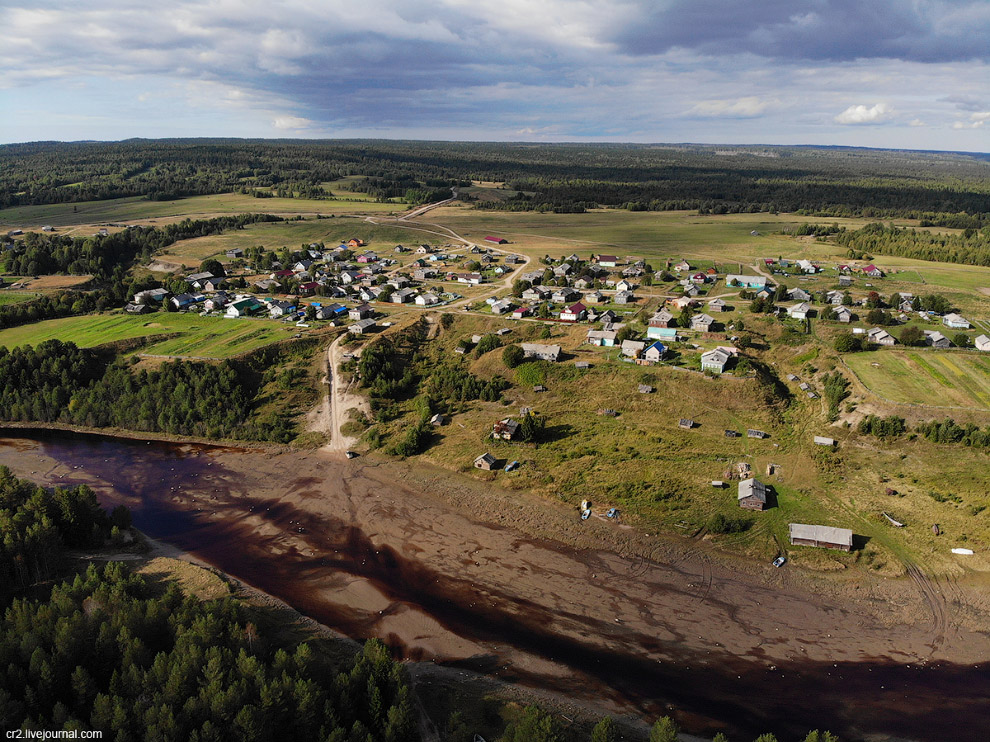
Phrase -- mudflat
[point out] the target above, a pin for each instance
(451, 570)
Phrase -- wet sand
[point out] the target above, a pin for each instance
(374, 549)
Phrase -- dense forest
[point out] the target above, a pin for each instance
(60, 383)
(106, 653)
(560, 177)
(970, 246)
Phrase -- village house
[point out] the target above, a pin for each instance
(584, 282)
(521, 312)
(132, 308)
(715, 360)
(371, 293)
(663, 318)
(682, 266)
(362, 311)
(243, 307)
(691, 290)
(748, 282)
(506, 429)
(607, 261)
(424, 274)
(398, 282)
(623, 297)
(752, 494)
(541, 352)
(427, 299)
(235, 253)
(955, 321)
(845, 281)
(834, 297)
(595, 297)
(807, 266)
(183, 301)
(842, 314)
(361, 327)
(402, 296)
(302, 266)
(355, 242)
(309, 288)
(872, 271)
(218, 301)
(821, 440)
(565, 294)
(880, 336)
(503, 306)
(496, 240)
(331, 311)
(564, 269)
(149, 295)
(601, 338)
(623, 285)
(632, 348)
(982, 342)
(654, 353)
(682, 301)
(936, 339)
(798, 295)
(278, 308)
(702, 322)
(537, 293)
(799, 311)
(716, 305)
(802, 534)
(534, 277)
(471, 278)
(574, 313)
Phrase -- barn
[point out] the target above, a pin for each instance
(825, 537)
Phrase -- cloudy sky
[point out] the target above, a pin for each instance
(885, 73)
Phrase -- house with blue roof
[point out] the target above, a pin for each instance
(654, 353)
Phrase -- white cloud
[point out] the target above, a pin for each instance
(291, 122)
(917, 122)
(862, 115)
(748, 107)
(976, 121)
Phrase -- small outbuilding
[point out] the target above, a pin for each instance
(486, 461)
(821, 440)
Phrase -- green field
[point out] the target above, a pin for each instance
(193, 336)
(644, 234)
(125, 210)
(15, 297)
(941, 379)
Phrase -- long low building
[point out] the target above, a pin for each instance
(541, 352)
(825, 537)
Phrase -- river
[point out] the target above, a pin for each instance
(358, 548)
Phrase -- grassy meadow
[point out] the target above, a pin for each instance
(138, 209)
(191, 335)
(925, 377)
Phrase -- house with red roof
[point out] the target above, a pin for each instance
(574, 313)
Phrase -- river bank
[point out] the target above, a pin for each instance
(451, 571)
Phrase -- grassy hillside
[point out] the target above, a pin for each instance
(192, 335)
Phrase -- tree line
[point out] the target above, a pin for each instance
(57, 382)
(938, 187)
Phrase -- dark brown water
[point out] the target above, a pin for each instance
(937, 701)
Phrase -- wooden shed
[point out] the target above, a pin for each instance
(486, 461)
(685, 423)
(821, 440)
(756, 433)
(825, 537)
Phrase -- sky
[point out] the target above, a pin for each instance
(877, 73)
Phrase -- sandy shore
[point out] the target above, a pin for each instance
(454, 571)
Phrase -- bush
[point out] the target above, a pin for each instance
(846, 342)
(513, 355)
(720, 523)
(912, 336)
